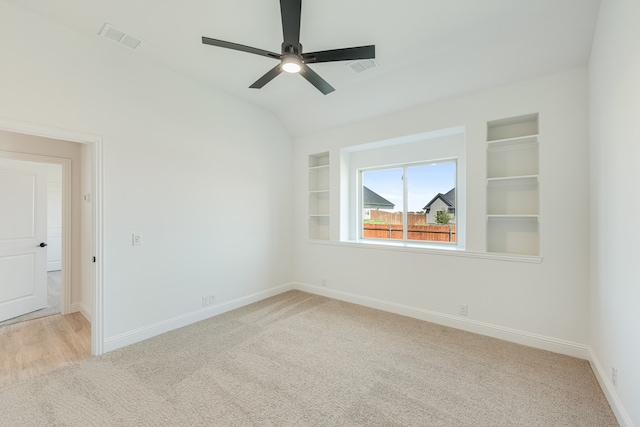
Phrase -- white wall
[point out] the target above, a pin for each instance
(205, 177)
(542, 304)
(614, 151)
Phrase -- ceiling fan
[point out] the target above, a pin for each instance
(292, 59)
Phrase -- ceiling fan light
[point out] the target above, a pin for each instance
(291, 64)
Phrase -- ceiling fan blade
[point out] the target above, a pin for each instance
(316, 80)
(291, 10)
(240, 47)
(346, 54)
(271, 74)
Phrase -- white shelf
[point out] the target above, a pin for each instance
(512, 127)
(511, 180)
(531, 217)
(318, 191)
(319, 178)
(515, 142)
(512, 196)
(319, 160)
(319, 203)
(319, 215)
(319, 227)
(315, 168)
(513, 236)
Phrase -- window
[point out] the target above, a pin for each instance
(407, 191)
(414, 202)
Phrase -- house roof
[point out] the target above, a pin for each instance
(373, 200)
(449, 198)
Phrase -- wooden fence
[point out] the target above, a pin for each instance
(396, 217)
(432, 233)
(417, 227)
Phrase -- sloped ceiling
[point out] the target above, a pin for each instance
(426, 49)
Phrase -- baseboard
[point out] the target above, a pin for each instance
(513, 335)
(79, 307)
(609, 391)
(141, 334)
(54, 266)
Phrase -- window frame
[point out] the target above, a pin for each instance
(438, 146)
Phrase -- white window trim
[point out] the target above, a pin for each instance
(430, 147)
(423, 249)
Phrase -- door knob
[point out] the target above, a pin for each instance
(42, 245)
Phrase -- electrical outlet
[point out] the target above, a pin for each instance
(205, 300)
(212, 299)
(614, 376)
(136, 239)
(464, 308)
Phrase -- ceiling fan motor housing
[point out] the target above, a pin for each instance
(292, 49)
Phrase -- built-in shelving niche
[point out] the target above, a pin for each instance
(513, 192)
(319, 196)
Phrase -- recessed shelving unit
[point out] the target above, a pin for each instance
(513, 186)
(319, 196)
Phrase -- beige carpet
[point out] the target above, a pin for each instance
(303, 360)
(54, 301)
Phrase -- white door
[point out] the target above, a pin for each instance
(23, 228)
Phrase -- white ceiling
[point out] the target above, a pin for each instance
(426, 49)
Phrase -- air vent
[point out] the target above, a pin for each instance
(364, 65)
(114, 34)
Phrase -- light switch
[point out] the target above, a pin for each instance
(136, 239)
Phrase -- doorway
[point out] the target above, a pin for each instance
(39, 258)
(91, 197)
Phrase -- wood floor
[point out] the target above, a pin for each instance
(38, 346)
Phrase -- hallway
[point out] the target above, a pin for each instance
(34, 347)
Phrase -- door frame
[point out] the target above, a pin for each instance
(95, 143)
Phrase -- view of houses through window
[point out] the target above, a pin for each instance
(410, 202)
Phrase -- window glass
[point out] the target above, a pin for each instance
(414, 202)
(382, 204)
